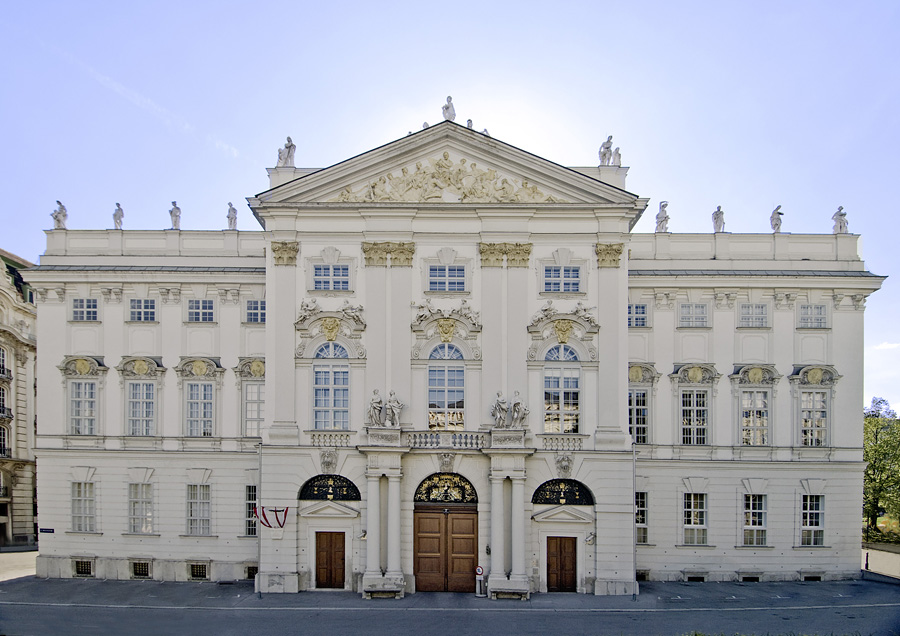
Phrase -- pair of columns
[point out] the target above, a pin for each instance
(498, 534)
(373, 526)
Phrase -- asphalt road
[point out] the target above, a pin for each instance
(30, 606)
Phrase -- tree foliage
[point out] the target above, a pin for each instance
(881, 451)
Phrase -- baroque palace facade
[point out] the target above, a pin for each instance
(442, 354)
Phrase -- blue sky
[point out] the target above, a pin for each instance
(743, 105)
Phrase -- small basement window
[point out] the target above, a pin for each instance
(812, 577)
(696, 579)
(252, 571)
(750, 579)
(642, 575)
(84, 568)
(140, 569)
(199, 572)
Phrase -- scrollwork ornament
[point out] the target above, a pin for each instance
(331, 327)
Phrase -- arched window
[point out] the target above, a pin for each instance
(4, 442)
(562, 390)
(3, 370)
(446, 388)
(331, 388)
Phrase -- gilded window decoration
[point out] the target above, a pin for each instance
(563, 491)
(446, 488)
(329, 488)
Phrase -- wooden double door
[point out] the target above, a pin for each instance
(561, 564)
(446, 548)
(330, 560)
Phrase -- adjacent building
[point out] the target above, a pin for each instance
(442, 356)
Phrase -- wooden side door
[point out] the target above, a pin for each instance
(330, 560)
(462, 544)
(561, 555)
(428, 539)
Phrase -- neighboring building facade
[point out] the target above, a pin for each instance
(17, 417)
(339, 372)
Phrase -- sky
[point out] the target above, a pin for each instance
(747, 105)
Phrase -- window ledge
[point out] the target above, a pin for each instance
(448, 294)
(248, 536)
(141, 534)
(200, 323)
(705, 546)
(706, 328)
(753, 328)
(199, 536)
(645, 545)
(811, 547)
(813, 328)
(642, 327)
(141, 322)
(80, 532)
(253, 324)
(84, 322)
(330, 292)
(562, 294)
(754, 547)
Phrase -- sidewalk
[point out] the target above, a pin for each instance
(14, 565)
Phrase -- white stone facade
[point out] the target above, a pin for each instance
(447, 267)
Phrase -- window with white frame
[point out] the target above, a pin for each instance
(754, 520)
(200, 310)
(5, 450)
(84, 512)
(142, 310)
(813, 417)
(446, 388)
(250, 525)
(199, 513)
(140, 508)
(755, 417)
(254, 407)
(256, 311)
(754, 315)
(641, 517)
(562, 390)
(199, 400)
(693, 315)
(638, 415)
(84, 309)
(141, 407)
(331, 277)
(694, 416)
(562, 278)
(5, 411)
(331, 388)
(813, 316)
(812, 523)
(82, 407)
(637, 315)
(447, 278)
(4, 371)
(695, 520)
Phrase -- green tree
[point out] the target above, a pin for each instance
(881, 451)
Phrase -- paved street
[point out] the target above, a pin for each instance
(30, 606)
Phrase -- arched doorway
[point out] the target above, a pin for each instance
(329, 527)
(561, 545)
(445, 522)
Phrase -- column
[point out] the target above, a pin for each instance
(393, 527)
(497, 547)
(518, 526)
(373, 525)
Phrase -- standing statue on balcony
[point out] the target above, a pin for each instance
(393, 408)
(499, 411)
(375, 412)
(519, 412)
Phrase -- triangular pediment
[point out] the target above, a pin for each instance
(446, 164)
(563, 514)
(330, 509)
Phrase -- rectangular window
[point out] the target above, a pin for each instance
(199, 409)
(447, 278)
(142, 310)
(140, 508)
(200, 311)
(250, 511)
(331, 277)
(637, 315)
(141, 408)
(198, 509)
(693, 315)
(331, 393)
(83, 507)
(754, 418)
(641, 513)
(754, 315)
(637, 415)
(256, 311)
(254, 408)
(84, 309)
(559, 278)
(694, 416)
(446, 397)
(754, 520)
(694, 518)
(813, 316)
(812, 530)
(813, 417)
(562, 399)
(82, 407)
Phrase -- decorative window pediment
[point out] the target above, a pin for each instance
(563, 514)
(701, 373)
(814, 376)
(576, 327)
(83, 366)
(459, 324)
(642, 373)
(315, 325)
(329, 510)
(140, 368)
(199, 368)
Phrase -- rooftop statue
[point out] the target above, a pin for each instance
(617, 157)
(839, 218)
(662, 217)
(448, 110)
(232, 217)
(606, 151)
(175, 213)
(469, 124)
(59, 217)
(118, 215)
(775, 220)
(718, 218)
(286, 155)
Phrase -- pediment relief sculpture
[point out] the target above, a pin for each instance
(696, 374)
(441, 179)
(756, 374)
(549, 324)
(83, 366)
(250, 368)
(198, 367)
(642, 373)
(824, 376)
(426, 312)
(140, 367)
